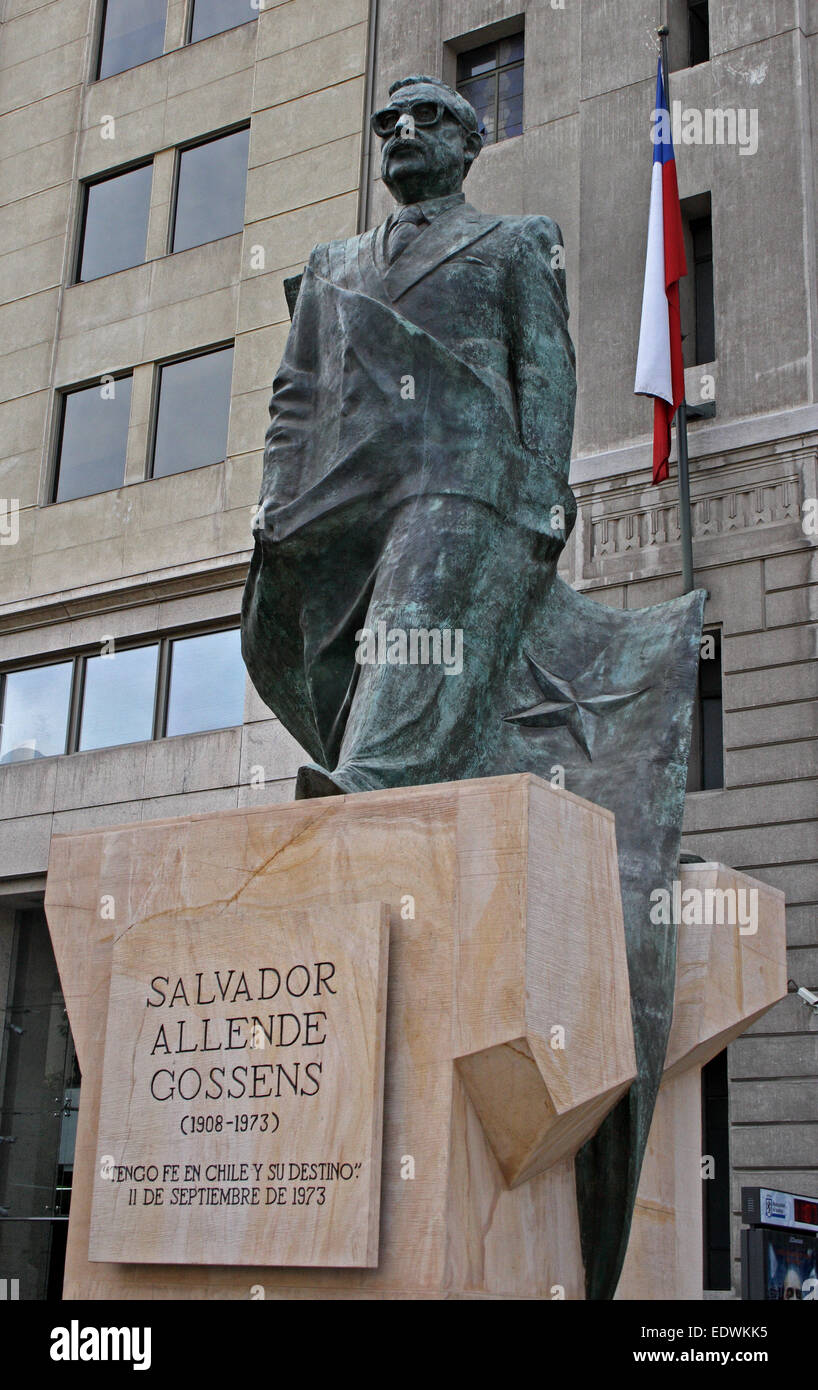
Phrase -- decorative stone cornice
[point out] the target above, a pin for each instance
(225, 572)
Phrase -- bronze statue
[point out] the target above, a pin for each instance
(421, 421)
(402, 614)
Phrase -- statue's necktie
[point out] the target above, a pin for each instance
(405, 227)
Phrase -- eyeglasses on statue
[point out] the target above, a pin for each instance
(423, 113)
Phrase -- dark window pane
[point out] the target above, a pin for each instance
(118, 698)
(510, 120)
(706, 765)
(511, 50)
(701, 231)
(194, 407)
(213, 16)
(712, 745)
(476, 61)
(39, 1081)
(699, 31)
(710, 666)
(511, 83)
(133, 31)
(116, 223)
(206, 683)
(716, 1189)
(710, 710)
(482, 94)
(94, 439)
(702, 235)
(35, 712)
(210, 196)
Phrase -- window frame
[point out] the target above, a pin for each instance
(100, 41)
(78, 657)
(694, 7)
(61, 394)
(697, 209)
(716, 1255)
(697, 764)
(81, 677)
(11, 668)
(29, 951)
(84, 186)
(705, 322)
(209, 139)
(471, 47)
(188, 39)
(165, 672)
(156, 391)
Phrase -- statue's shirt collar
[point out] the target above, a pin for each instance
(454, 224)
(430, 207)
(433, 207)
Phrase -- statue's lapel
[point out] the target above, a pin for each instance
(447, 235)
(370, 265)
(358, 257)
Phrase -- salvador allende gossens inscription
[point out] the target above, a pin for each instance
(243, 1082)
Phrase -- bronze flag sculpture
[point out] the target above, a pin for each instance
(402, 614)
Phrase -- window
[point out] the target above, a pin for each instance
(93, 438)
(706, 768)
(214, 16)
(716, 1187)
(701, 234)
(118, 697)
(133, 31)
(193, 411)
(39, 1100)
(491, 78)
(698, 34)
(210, 190)
(206, 683)
(115, 223)
(710, 705)
(689, 38)
(136, 692)
(696, 290)
(35, 709)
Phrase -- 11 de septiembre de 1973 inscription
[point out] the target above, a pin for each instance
(241, 1110)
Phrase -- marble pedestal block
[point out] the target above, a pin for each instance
(508, 1034)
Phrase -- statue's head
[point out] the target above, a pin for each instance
(430, 139)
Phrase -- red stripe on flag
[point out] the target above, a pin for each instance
(675, 261)
(662, 417)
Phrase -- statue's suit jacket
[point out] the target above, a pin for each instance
(473, 313)
(492, 290)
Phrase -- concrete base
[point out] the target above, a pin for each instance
(508, 1025)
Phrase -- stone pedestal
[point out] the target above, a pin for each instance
(727, 976)
(508, 1033)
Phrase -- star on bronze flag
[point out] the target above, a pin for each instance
(571, 703)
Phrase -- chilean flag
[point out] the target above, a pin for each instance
(659, 369)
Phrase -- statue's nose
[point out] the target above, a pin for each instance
(406, 126)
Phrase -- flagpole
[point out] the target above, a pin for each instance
(681, 414)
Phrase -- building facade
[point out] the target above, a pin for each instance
(164, 168)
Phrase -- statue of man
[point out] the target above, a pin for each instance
(416, 490)
(415, 472)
